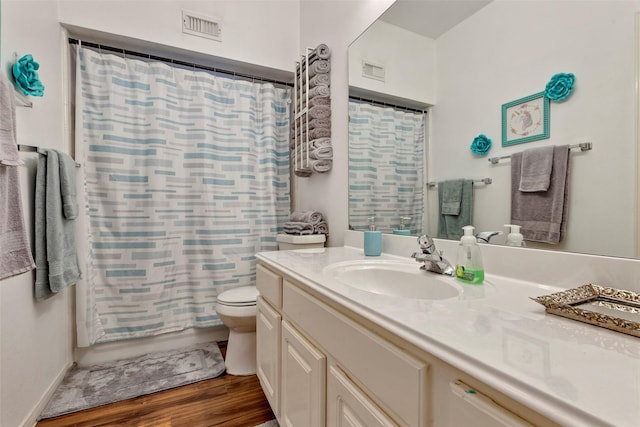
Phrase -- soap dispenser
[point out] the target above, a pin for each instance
(372, 239)
(401, 230)
(469, 264)
(514, 238)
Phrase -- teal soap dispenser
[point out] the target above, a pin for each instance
(469, 263)
(372, 239)
(401, 230)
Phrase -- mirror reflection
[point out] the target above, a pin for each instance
(461, 62)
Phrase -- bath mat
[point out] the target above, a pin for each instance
(88, 387)
(272, 423)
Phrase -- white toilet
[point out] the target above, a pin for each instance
(237, 310)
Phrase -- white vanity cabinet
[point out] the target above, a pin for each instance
(321, 365)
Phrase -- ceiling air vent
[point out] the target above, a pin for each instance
(200, 25)
(372, 70)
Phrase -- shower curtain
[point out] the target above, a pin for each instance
(386, 167)
(186, 177)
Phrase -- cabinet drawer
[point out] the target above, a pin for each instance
(348, 406)
(396, 380)
(269, 285)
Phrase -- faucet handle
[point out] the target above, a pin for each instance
(426, 244)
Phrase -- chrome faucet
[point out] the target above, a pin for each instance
(432, 258)
(485, 236)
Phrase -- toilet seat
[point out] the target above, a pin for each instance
(243, 296)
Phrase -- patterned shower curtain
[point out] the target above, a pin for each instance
(186, 177)
(386, 167)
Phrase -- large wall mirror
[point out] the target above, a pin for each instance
(460, 62)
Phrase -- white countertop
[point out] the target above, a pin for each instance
(573, 373)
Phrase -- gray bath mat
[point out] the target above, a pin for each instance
(97, 385)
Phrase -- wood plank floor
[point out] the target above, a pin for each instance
(228, 401)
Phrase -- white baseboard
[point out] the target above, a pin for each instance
(32, 418)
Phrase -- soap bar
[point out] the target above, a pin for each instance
(402, 232)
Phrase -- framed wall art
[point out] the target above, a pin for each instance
(525, 119)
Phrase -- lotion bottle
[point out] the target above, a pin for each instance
(469, 263)
(372, 239)
(514, 238)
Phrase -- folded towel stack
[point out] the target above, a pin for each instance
(306, 222)
(314, 130)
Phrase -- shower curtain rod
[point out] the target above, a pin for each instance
(175, 61)
(387, 104)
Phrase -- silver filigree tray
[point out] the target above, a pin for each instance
(609, 308)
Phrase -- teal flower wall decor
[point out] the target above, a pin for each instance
(481, 145)
(560, 86)
(25, 73)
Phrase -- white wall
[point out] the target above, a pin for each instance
(509, 50)
(409, 61)
(337, 24)
(36, 338)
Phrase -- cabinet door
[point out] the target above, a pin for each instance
(348, 406)
(303, 381)
(268, 352)
(470, 407)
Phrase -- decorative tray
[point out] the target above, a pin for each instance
(609, 308)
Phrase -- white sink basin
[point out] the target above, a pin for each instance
(402, 279)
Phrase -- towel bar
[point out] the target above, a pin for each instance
(583, 146)
(432, 184)
(33, 148)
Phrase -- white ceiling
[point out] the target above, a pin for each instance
(431, 18)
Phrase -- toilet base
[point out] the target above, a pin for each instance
(241, 353)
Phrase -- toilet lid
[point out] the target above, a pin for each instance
(244, 295)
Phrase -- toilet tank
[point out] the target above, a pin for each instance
(290, 241)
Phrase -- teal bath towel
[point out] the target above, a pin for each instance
(455, 200)
(55, 211)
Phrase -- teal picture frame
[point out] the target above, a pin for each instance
(525, 120)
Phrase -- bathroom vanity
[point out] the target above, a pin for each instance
(331, 353)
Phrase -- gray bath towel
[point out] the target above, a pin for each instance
(312, 217)
(542, 214)
(298, 228)
(321, 142)
(316, 133)
(320, 123)
(15, 253)
(320, 66)
(8, 143)
(56, 256)
(320, 79)
(320, 112)
(535, 174)
(319, 100)
(322, 165)
(320, 91)
(450, 226)
(450, 196)
(321, 153)
(321, 228)
(323, 51)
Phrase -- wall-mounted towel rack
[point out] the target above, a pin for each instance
(33, 148)
(22, 101)
(433, 184)
(583, 146)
